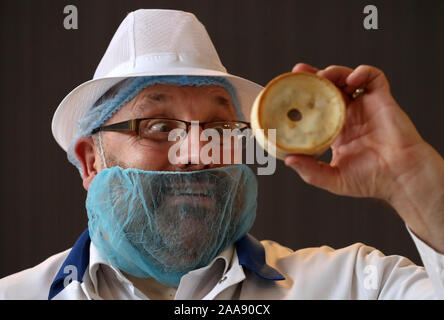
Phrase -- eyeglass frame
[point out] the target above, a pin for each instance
(132, 125)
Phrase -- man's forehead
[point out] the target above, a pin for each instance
(163, 94)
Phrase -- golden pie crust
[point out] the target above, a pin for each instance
(307, 111)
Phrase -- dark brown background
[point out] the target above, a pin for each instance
(42, 200)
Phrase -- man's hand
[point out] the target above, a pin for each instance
(380, 154)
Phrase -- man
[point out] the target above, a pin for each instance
(163, 229)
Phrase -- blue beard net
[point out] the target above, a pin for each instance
(127, 89)
(163, 224)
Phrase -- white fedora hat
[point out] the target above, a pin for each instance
(149, 43)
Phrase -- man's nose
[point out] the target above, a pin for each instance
(189, 157)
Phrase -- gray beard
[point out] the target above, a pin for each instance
(178, 236)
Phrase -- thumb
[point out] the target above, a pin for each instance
(316, 173)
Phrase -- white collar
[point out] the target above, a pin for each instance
(197, 282)
(248, 253)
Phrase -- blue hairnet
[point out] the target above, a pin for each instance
(127, 89)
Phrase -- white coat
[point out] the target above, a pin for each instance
(247, 270)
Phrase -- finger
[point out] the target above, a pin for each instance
(316, 173)
(336, 74)
(367, 77)
(304, 67)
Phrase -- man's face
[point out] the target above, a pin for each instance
(203, 104)
(184, 213)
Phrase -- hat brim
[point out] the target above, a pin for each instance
(74, 106)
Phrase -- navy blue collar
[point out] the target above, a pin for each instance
(250, 251)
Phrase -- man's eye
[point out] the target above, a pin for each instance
(157, 126)
(220, 127)
(161, 127)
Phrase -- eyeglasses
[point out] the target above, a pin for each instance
(158, 129)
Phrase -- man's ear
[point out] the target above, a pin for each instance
(86, 154)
